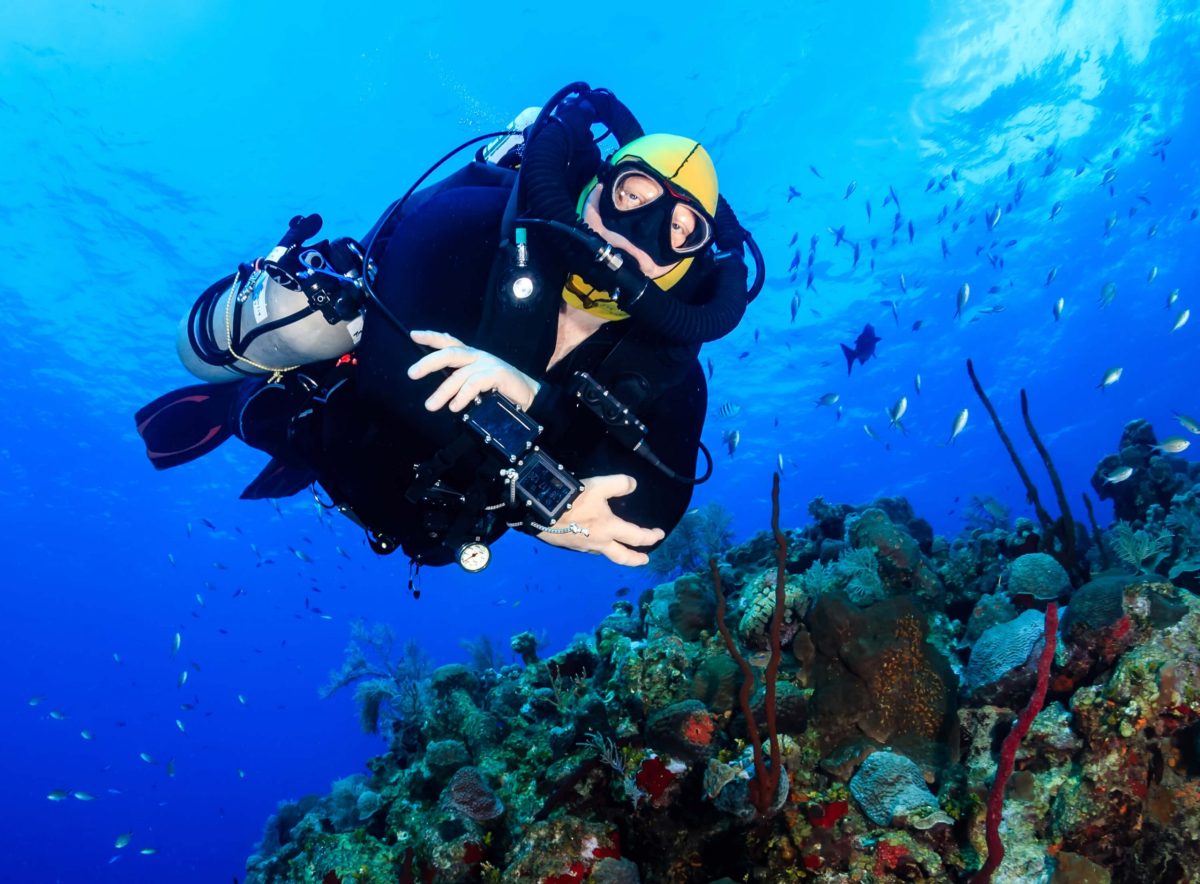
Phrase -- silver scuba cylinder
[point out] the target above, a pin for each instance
(499, 147)
(247, 305)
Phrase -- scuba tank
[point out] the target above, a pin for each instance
(300, 304)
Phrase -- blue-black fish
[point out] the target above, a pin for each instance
(813, 169)
(864, 348)
(793, 193)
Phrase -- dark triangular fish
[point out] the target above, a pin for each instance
(864, 348)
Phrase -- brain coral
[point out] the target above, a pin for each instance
(889, 785)
(1003, 648)
(1038, 575)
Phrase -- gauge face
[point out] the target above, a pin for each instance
(474, 557)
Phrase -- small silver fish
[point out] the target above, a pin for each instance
(146, 757)
(175, 643)
(1109, 223)
(1120, 474)
(87, 735)
(731, 438)
(1173, 445)
(1172, 297)
(123, 839)
(870, 433)
(148, 851)
(960, 421)
(964, 294)
(183, 676)
(83, 796)
(779, 461)
(1055, 209)
(917, 383)
(58, 716)
(1110, 377)
(1153, 274)
(1181, 321)
(58, 795)
(1108, 293)
(179, 724)
(896, 412)
(828, 399)
(1050, 276)
(1058, 309)
(1188, 423)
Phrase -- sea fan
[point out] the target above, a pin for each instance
(860, 569)
(1142, 550)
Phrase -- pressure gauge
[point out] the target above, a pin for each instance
(474, 557)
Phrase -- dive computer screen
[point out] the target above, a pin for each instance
(547, 487)
(503, 426)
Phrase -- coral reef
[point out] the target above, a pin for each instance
(855, 699)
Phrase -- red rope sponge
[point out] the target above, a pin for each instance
(1008, 750)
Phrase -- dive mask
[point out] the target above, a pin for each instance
(656, 215)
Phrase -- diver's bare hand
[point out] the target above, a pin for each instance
(606, 533)
(477, 372)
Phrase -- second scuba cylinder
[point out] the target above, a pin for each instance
(252, 324)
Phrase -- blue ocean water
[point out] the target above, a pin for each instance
(145, 150)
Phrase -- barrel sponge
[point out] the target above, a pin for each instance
(1038, 575)
(1003, 648)
(889, 785)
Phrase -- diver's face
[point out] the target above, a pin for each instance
(640, 191)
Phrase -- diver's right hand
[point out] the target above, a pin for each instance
(600, 530)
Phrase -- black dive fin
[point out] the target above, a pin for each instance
(186, 424)
(278, 479)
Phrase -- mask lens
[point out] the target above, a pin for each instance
(690, 230)
(634, 190)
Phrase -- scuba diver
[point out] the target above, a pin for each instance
(514, 346)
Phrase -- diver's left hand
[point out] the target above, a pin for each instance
(600, 530)
(477, 372)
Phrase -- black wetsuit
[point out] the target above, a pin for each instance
(434, 275)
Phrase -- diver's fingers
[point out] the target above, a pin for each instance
(622, 555)
(448, 389)
(634, 535)
(478, 380)
(437, 340)
(614, 485)
(451, 357)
